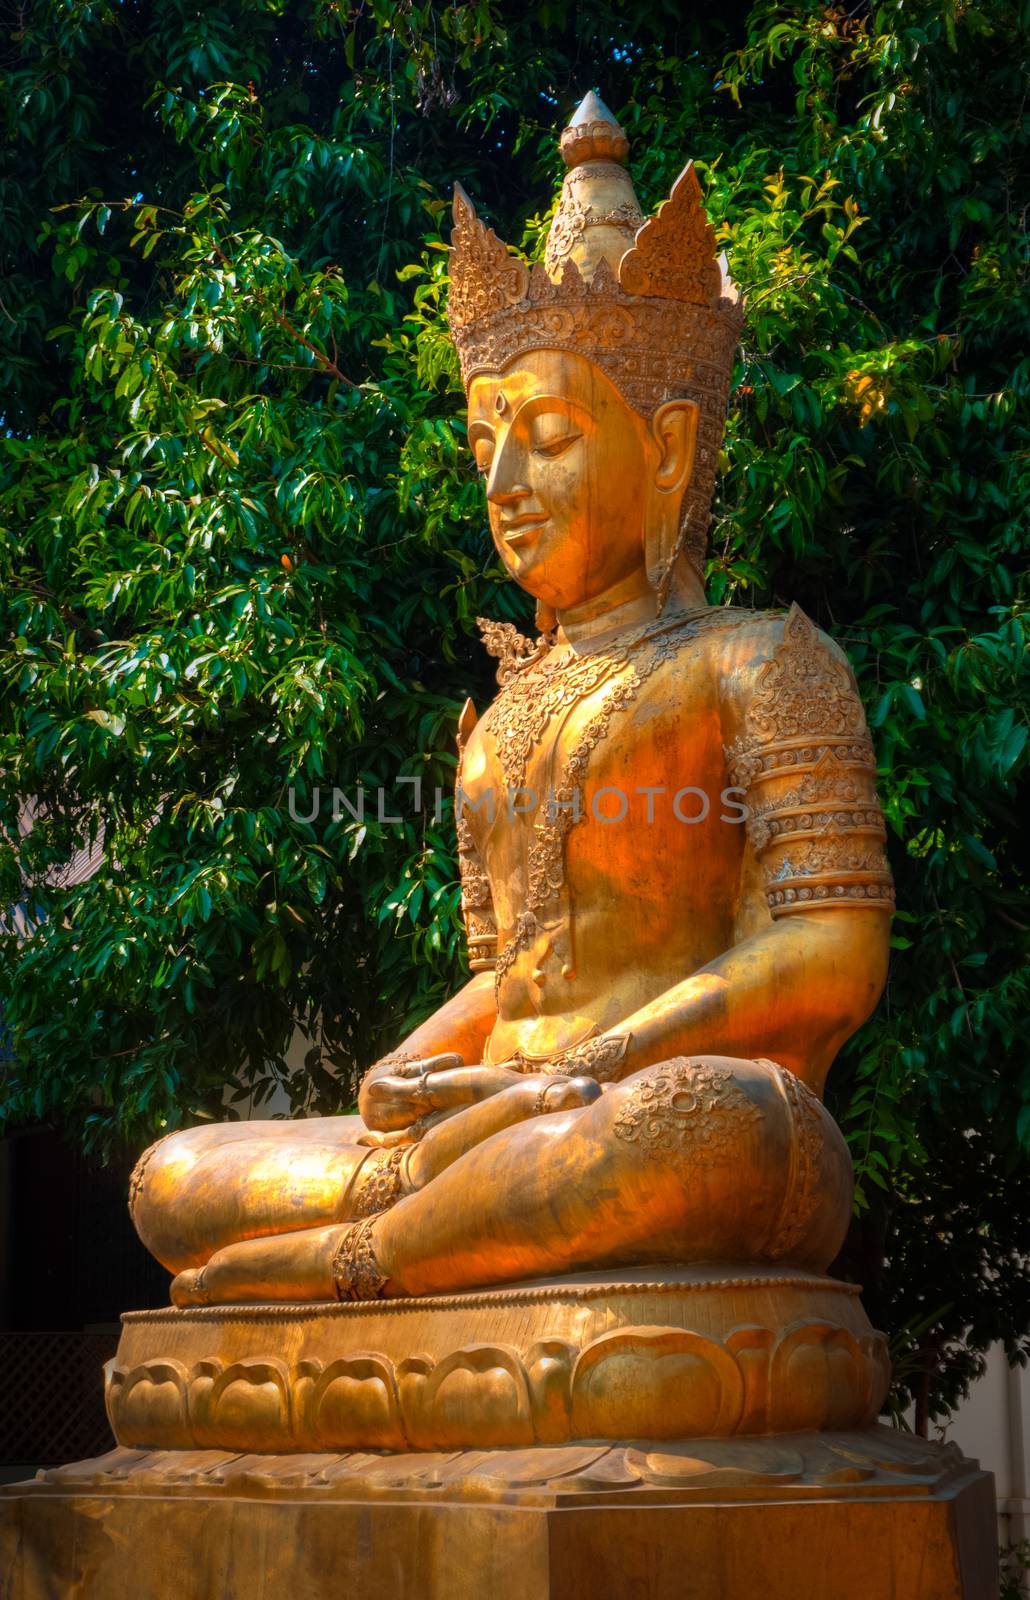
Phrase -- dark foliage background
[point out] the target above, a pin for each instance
(241, 544)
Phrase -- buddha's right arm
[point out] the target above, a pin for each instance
(460, 1027)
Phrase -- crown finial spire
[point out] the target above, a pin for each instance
(598, 215)
(593, 134)
(591, 109)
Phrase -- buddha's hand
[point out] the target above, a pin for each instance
(427, 1091)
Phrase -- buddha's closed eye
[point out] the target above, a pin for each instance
(556, 447)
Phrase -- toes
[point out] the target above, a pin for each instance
(585, 1091)
(188, 1288)
(565, 1094)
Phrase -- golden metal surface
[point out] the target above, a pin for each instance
(876, 1461)
(833, 1516)
(671, 1356)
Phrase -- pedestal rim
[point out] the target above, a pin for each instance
(580, 1286)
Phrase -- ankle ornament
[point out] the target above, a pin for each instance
(356, 1274)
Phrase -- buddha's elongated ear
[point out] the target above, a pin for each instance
(674, 432)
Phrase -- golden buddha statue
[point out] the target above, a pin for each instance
(675, 888)
(571, 1256)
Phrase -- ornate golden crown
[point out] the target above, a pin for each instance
(651, 303)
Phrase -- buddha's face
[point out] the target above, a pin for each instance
(570, 473)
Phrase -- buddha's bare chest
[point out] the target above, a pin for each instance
(597, 777)
(595, 801)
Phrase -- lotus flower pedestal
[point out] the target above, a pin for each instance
(690, 1434)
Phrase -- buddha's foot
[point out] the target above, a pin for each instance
(335, 1263)
(283, 1266)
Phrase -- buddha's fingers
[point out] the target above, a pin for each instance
(426, 1064)
(285, 1266)
(527, 1097)
(396, 1101)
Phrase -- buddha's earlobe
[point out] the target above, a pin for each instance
(674, 430)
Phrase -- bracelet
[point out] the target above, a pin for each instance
(201, 1295)
(380, 1181)
(421, 1095)
(396, 1059)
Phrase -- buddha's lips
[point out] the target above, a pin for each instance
(519, 529)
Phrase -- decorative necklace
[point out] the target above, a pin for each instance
(538, 689)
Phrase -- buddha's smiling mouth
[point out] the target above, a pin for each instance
(520, 530)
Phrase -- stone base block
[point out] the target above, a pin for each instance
(679, 1353)
(870, 1515)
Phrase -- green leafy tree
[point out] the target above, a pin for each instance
(242, 544)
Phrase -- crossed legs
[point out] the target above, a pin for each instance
(697, 1159)
(204, 1191)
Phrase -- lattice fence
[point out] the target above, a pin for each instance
(51, 1397)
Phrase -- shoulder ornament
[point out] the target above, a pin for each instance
(806, 763)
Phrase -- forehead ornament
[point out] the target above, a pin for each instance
(649, 302)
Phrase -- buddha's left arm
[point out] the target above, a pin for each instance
(794, 991)
(809, 959)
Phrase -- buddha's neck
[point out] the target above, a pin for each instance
(627, 604)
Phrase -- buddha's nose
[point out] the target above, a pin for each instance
(504, 486)
(507, 494)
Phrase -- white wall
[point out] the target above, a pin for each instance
(993, 1426)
